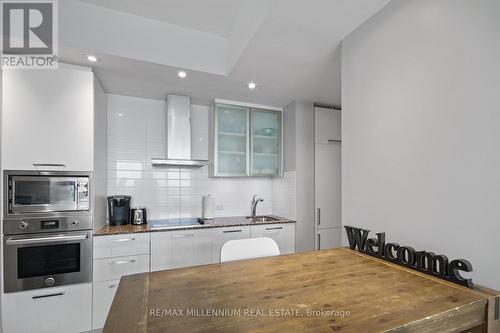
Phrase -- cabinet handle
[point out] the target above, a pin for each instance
(182, 235)
(62, 165)
(229, 231)
(274, 228)
(112, 286)
(48, 295)
(120, 262)
(319, 241)
(334, 141)
(318, 213)
(123, 240)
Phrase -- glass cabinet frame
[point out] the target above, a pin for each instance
(250, 157)
(216, 152)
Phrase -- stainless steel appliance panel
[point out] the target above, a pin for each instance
(46, 260)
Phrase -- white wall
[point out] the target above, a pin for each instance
(420, 127)
(298, 118)
(137, 132)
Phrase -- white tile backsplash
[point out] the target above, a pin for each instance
(137, 132)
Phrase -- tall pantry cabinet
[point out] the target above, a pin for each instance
(327, 177)
(54, 120)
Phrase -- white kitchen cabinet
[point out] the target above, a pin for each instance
(183, 248)
(51, 310)
(282, 234)
(327, 178)
(114, 257)
(104, 293)
(121, 245)
(326, 125)
(328, 238)
(246, 140)
(114, 268)
(222, 235)
(48, 119)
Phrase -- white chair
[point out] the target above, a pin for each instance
(249, 248)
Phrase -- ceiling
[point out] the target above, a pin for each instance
(214, 16)
(290, 48)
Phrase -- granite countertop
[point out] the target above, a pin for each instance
(218, 222)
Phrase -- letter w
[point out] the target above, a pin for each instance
(357, 237)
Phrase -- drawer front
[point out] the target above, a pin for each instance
(66, 309)
(282, 234)
(121, 245)
(115, 268)
(104, 292)
(222, 235)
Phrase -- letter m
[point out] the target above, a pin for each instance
(357, 237)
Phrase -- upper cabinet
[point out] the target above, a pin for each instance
(231, 140)
(327, 125)
(48, 119)
(246, 141)
(265, 143)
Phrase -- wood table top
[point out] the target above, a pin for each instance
(337, 290)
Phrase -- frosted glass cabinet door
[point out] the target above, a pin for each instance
(231, 140)
(266, 143)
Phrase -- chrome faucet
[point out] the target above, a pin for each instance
(253, 206)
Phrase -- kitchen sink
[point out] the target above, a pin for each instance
(262, 219)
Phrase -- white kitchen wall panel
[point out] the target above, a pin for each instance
(137, 132)
(284, 195)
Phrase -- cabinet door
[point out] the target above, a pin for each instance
(222, 235)
(103, 295)
(231, 140)
(184, 248)
(328, 238)
(328, 185)
(48, 119)
(327, 125)
(51, 310)
(265, 143)
(282, 234)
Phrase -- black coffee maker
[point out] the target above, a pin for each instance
(119, 209)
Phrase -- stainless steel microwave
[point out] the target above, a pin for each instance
(40, 192)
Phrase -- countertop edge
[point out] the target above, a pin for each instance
(145, 228)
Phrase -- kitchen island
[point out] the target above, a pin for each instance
(323, 291)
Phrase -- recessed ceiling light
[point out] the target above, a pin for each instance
(181, 74)
(91, 58)
(251, 85)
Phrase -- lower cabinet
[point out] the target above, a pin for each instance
(114, 257)
(119, 255)
(104, 292)
(50, 310)
(282, 234)
(183, 248)
(222, 235)
(328, 238)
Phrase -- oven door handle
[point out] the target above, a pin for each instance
(59, 238)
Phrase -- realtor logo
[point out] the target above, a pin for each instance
(29, 34)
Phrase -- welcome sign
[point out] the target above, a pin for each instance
(423, 261)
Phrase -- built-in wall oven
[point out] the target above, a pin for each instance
(47, 229)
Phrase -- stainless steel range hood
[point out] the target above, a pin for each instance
(178, 134)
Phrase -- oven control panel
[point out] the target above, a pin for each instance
(46, 224)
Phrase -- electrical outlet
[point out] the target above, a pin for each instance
(219, 207)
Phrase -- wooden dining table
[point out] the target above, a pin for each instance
(337, 290)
